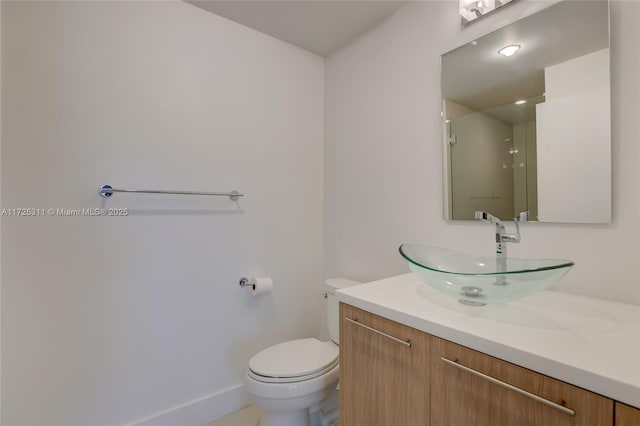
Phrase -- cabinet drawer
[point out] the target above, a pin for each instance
(472, 388)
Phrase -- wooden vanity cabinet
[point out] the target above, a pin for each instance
(384, 369)
(626, 415)
(393, 375)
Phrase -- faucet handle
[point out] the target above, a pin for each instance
(521, 216)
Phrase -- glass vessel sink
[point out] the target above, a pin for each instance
(477, 280)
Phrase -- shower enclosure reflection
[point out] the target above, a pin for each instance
(492, 161)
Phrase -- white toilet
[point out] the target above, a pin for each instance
(287, 379)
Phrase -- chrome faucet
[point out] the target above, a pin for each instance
(502, 238)
(501, 232)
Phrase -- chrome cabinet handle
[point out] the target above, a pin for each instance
(395, 339)
(522, 392)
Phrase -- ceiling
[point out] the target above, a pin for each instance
(319, 26)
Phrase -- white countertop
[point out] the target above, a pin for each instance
(590, 343)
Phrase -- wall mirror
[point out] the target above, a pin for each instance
(527, 121)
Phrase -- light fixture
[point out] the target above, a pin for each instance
(521, 102)
(470, 10)
(509, 50)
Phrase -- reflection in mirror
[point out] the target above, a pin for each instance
(531, 130)
(470, 10)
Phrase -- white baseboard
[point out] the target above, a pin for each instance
(200, 411)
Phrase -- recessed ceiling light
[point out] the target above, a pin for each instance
(509, 50)
(521, 102)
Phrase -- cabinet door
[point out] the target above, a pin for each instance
(626, 415)
(459, 396)
(383, 371)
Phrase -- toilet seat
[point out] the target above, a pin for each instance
(293, 361)
(268, 379)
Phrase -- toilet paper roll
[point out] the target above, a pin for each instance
(261, 285)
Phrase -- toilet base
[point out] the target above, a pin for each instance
(290, 411)
(295, 418)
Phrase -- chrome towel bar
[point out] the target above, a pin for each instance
(107, 191)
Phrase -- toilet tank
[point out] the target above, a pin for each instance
(333, 309)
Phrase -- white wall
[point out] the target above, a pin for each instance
(1, 315)
(573, 130)
(383, 155)
(112, 319)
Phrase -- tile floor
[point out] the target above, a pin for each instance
(249, 416)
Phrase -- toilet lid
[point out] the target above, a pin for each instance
(294, 358)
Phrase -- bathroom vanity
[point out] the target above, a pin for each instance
(412, 356)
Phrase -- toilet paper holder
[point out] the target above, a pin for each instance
(245, 282)
(257, 285)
